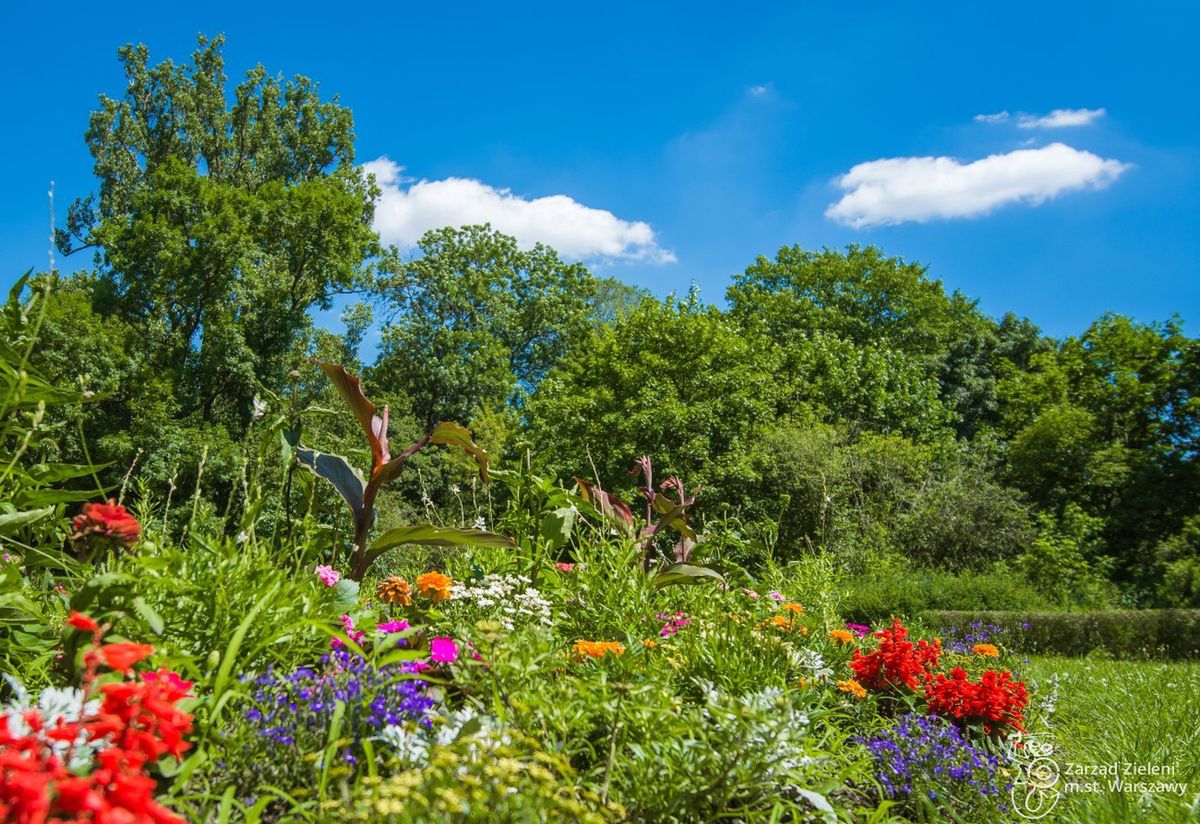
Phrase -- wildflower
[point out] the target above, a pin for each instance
(598, 649)
(389, 627)
(480, 523)
(561, 567)
(897, 662)
(258, 408)
(793, 608)
(842, 636)
(749, 593)
(328, 575)
(859, 629)
(394, 590)
(110, 520)
(775, 596)
(122, 656)
(852, 687)
(986, 650)
(781, 621)
(649, 643)
(83, 623)
(435, 585)
(673, 624)
(443, 651)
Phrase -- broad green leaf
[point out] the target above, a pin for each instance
(686, 574)
(557, 527)
(42, 497)
(430, 535)
(53, 473)
(147, 614)
(12, 521)
(453, 434)
(334, 468)
(345, 594)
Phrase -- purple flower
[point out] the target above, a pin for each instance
(858, 629)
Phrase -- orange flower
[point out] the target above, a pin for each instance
(394, 590)
(83, 623)
(803, 630)
(852, 687)
(435, 585)
(986, 650)
(793, 608)
(781, 621)
(842, 636)
(649, 644)
(598, 649)
(124, 655)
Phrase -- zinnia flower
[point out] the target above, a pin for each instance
(443, 651)
(842, 636)
(435, 585)
(986, 650)
(110, 520)
(598, 649)
(394, 590)
(328, 575)
(852, 687)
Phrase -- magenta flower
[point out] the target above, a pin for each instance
(328, 575)
(389, 627)
(776, 596)
(443, 651)
(858, 629)
(356, 636)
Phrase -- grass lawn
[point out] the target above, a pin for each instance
(1135, 713)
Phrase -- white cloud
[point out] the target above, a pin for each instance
(1060, 118)
(998, 117)
(408, 208)
(759, 91)
(899, 189)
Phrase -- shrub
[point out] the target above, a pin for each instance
(1126, 633)
(908, 593)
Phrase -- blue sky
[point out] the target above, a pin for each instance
(670, 143)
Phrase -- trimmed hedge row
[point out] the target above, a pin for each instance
(1122, 633)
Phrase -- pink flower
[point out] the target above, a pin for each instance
(356, 636)
(443, 651)
(775, 596)
(561, 567)
(328, 575)
(418, 666)
(750, 593)
(389, 627)
(858, 629)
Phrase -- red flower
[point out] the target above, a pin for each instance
(110, 520)
(995, 701)
(82, 622)
(124, 655)
(897, 662)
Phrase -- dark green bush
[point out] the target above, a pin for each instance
(1124, 633)
(909, 593)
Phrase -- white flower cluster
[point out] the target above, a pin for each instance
(55, 705)
(412, 744)
(510, 598)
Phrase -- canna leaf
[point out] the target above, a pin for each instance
(373, 426)
(334, 468)
(686, 574)
(453, 434)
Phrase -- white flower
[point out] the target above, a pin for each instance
(258, 408)
(480, 523)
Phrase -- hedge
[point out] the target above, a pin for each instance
(1123, 633)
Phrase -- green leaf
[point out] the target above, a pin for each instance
(347, 480)
(147, 614)
(430, 535)
(12, 521)
(345, 594)
(686, 574)
(453, 434)
(557, 527)
(36, 497)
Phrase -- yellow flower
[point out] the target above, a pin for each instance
(394, 590)
(986, 650)
(435, 585)
(793, 608)
(598, 649)
(842, 636)
(648, 644)
(853, 687)
(781, 621)
(804, 630)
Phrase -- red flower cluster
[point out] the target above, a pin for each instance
(995, 701)
(897, 662)
(137, 723)
(110, 520)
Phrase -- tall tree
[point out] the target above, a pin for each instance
(476, 321)
(217, 227)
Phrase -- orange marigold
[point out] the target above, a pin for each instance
(435, 585)
(842, 636)
(986, 650)
(394, 590)
(598, 649)
(649, 644)
(852, 687)
(793, 608)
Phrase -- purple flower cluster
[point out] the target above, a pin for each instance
(977, 633)
(294, 709)
(673, 624)
(927, 755)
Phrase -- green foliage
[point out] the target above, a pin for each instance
(1120, 633)
(477, 321)
(885, 590)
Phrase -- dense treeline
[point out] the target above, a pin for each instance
(840, 401)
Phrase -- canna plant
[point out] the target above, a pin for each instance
(360, 493)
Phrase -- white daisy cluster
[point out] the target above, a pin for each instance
(510, 599)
